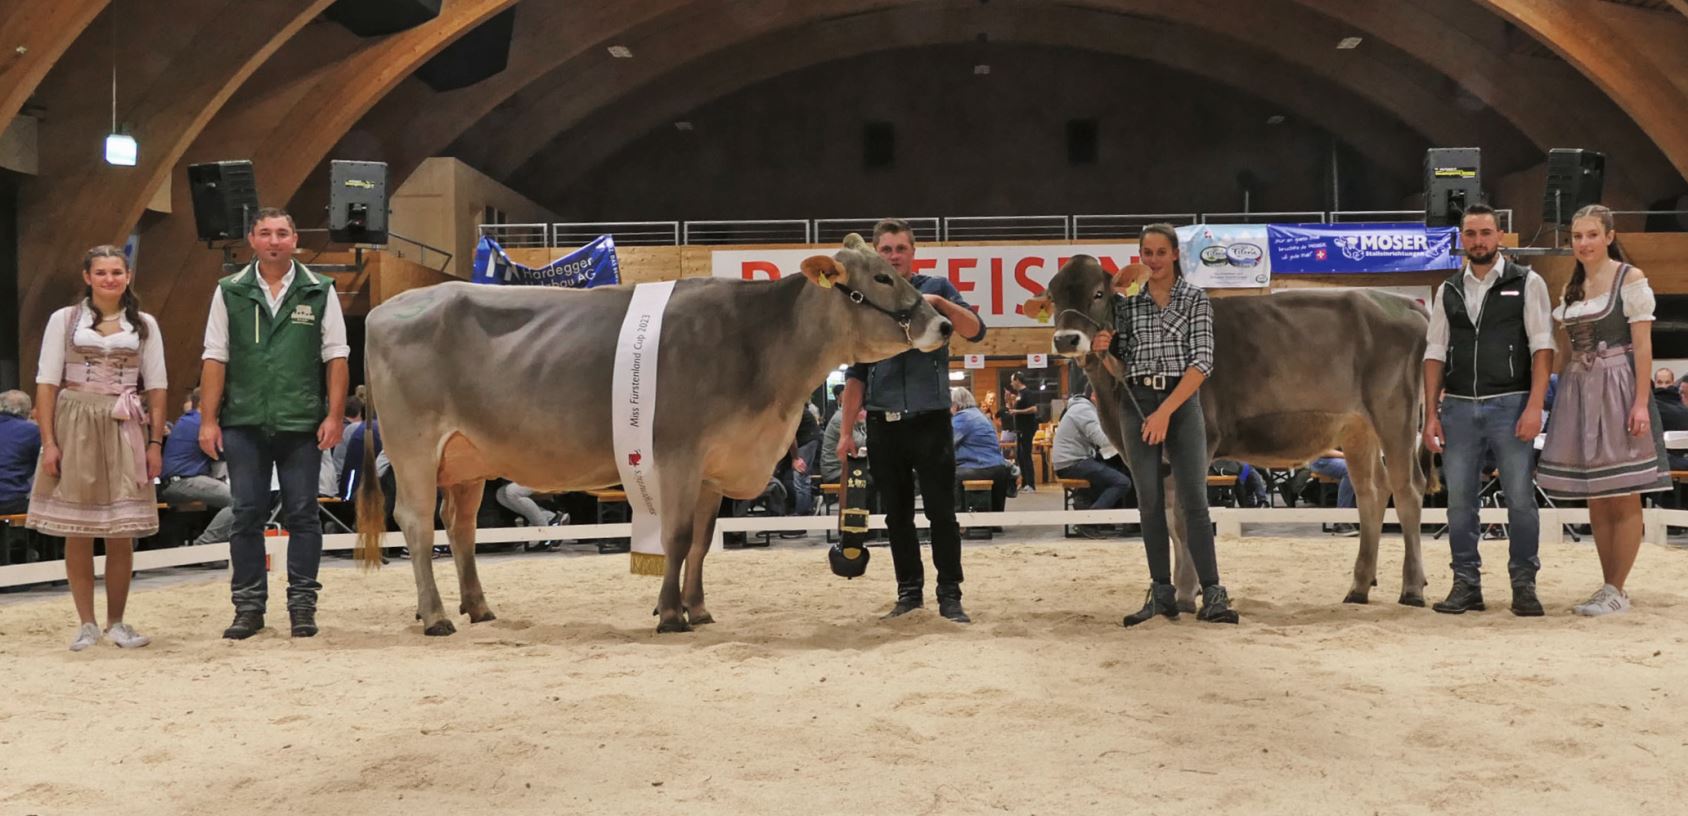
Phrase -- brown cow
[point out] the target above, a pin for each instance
(1295, 373)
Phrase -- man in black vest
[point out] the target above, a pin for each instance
(1491, 346)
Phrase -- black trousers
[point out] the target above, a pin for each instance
(918, 449)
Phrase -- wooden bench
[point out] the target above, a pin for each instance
(612, 508)
(976, 497)
(1068, 486)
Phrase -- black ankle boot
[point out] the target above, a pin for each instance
(246, 624)
(1466, 596)
(304, 622)
(1216, 606)
(949, 603)
(1524, 601)
(1162, 599)
(909, 598)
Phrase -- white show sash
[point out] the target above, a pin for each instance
(633, 415)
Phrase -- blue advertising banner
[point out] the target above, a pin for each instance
(592, 265)
(1327, 249)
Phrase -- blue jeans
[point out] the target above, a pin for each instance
(1336, 468)
(251, 453)
(1108, 486)
(1471, 428)
(1186, 450)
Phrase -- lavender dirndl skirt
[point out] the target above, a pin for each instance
(1589, 453)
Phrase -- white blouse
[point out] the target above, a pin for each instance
(1638, 304)
(50, 369)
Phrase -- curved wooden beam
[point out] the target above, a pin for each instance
(1379, 137)
(1547, 100)
(1637, 61)
(34, 35)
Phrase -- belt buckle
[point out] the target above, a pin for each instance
(893, 416)
(1155, 381)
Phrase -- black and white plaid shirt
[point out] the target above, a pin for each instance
(1167, 341)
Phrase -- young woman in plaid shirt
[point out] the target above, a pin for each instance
(1164, 335)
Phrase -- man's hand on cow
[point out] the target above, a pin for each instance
(328, 433)
(1154, 427)
(211, 439)
(1529, 426)
(1433, 435)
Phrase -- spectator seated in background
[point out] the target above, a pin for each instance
(20, 446)
(1673, 413)
(977, 454)
(1251, 483)
(334, 461)
(187, 475)
(519, 500)
(1077, 453)
(1333, 465)
(799, 462)
(832, 469)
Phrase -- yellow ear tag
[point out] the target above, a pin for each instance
(1043, 315)
(1133, 289)
(825, 282)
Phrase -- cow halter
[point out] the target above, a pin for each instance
(904, 317)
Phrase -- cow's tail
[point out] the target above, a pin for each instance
(372, 500)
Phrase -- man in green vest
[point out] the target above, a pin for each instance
(274, 335)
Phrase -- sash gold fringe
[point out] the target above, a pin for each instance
(647, 564)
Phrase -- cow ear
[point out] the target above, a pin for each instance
(1037, 308)
(823, 270)
(1130, 277)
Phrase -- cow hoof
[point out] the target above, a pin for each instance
(673, 626)
(700, 620)
(440, 629)
(1356, 598)
(1413, 600)
(482, 618)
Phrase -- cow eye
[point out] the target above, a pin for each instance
(882, 278)
(1098, 295)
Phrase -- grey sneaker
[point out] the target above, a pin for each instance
(86, 636)
(126, 637)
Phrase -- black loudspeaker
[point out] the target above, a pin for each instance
(1574, 180)
(1453, 179)
(225, 198)
(376, 18)
(879, 145)
(473, 57)
(1081, 141)
(357, 202)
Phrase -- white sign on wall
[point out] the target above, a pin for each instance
(974, 361)
(1037, 361)
(994, 280)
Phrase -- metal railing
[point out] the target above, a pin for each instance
(626, 233)
(1104, 227)
(833, 230)
(777, 231)
(519, 235)
(1008, 228)
(1313, 217)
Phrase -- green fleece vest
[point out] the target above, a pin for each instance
(275, 369)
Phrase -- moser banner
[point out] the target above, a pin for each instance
(1353, 248)
(994, 279)
(1225, 256)
(592, 265)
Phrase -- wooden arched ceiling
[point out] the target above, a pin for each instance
(1377, 135)
(1637, 56)
(33, 36)
(568, 95)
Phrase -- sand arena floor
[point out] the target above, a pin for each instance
(801, 701)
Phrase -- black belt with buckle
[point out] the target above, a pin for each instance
(1157, 382)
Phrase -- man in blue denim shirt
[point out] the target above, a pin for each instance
(908, 435)
(1491, 344)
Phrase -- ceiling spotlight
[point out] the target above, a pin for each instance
(981, 70)
(1275, 119)
(683, 127)
(121, 150)
(621, 52)
(1348, 43)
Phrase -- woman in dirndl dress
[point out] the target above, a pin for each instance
(95, 475)
(1604, 443)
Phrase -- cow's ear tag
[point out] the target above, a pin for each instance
(824, 281)
(1133, 289)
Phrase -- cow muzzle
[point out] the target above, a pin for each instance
(1070, 343)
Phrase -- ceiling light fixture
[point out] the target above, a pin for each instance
(1348, 43)
(683, 127)
(621, 52)
(981, 70)
(121, 149)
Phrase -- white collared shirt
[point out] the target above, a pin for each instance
(1538, 314)
(49, 367)
(334, 343)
